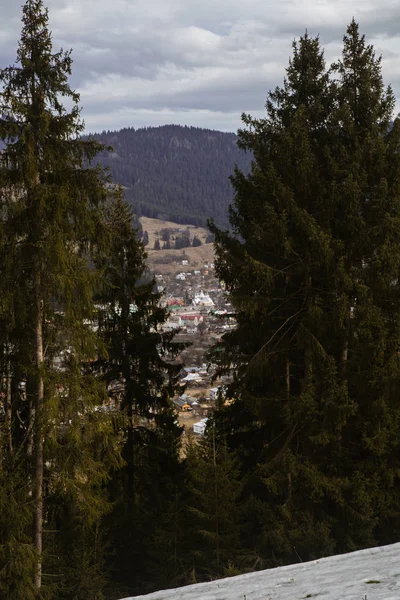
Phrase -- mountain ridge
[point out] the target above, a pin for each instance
(173, 172)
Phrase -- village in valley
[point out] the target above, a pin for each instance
(198, 311)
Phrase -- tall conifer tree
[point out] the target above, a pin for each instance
(366, 222)
(212, 508)
(50, 225)
(138, 368)
(316, 216)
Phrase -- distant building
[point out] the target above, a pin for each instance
(192, 329)
(172, 323)
(203, 299)
(186, 399)
(200, 427)
(216, 391)
(190, 319)
(175, 302)
(181, 405)
(192, 377)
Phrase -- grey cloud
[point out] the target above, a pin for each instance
(144, 62)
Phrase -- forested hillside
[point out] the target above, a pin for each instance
(173, 172)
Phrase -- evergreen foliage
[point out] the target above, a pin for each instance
(312, 269)
(182, 241)
(57, 445)
(210, 238)
(138, 370)
(196, 241)
(212, 517)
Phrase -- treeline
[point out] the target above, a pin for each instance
(98, 499)
(175, 173)
(173, 238)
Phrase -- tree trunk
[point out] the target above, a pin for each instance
(8, 410)
(344, 357)
(130, 466)
(217, 548)
(308, 367)
(38, 438)
(31, 425)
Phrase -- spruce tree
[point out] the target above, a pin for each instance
(138, 368)
(277, 266)
(310, 266)
(212, 513)
(50, 226)
(366, 222)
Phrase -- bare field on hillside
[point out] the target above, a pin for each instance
(197, 257)
(153, 225)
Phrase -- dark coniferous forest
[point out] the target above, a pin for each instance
(98, 498)
(175, 173)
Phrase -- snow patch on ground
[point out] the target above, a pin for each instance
(372, 574)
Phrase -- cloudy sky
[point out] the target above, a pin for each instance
(194, 62)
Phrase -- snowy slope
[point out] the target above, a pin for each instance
(372, 574)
